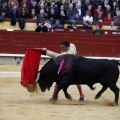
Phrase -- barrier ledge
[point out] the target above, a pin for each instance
(18, 59)
(12, 59)
(43, 56)
(110, 58)
(19, 55)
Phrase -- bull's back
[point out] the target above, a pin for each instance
(85, 69)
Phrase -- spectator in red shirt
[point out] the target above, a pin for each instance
(99, 9)
(15, 2)
(108, 18)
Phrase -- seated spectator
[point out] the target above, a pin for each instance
(118, 2)
(117, 17)
(87, 19)
(26, 5)
(35, 7)
(112, 26)
(116, 9)
(90, 9)
(57, 4)
(44, 3)
(41, 28)
(109, 18)
(52, 16)
(118, 28)
(108, 10)
(4, 7)
(114, 5)
(52, 6)
(33, 15)
(96, 3)
(24, 14)
(111, 3)
(58, 25)
(40, 17)
(80, 9)
(62, 9)
(77, 16)
(42, 6)
(97, 30)
(66, 4)
(105, 3)
(11, 2)
(11, 6)
(14, 12)
(70, 11)
(86, 4)
(75, 2)
(62, 17)
(99, 16)
(98, 10)
(2, 15)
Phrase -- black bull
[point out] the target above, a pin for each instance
(82, 71)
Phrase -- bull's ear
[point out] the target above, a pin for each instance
(38, 76)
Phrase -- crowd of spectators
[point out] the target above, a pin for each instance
(58, 11)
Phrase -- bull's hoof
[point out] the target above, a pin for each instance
(96, 97)
(69, 97)
(53, 100)
(116, 103)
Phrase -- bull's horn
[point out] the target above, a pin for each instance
(38, 76)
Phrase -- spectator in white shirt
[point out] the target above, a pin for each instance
(112, 26)
(87, 19)
(79, 8)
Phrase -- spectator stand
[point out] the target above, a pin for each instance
(31, 25)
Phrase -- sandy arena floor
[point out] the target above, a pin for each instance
(18, 104)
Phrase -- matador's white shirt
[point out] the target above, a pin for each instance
(71, 50)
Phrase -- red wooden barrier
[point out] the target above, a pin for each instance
(87, 44)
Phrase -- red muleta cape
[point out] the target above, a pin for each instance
(30, 65)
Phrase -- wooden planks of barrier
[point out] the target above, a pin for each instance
(17, 42)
